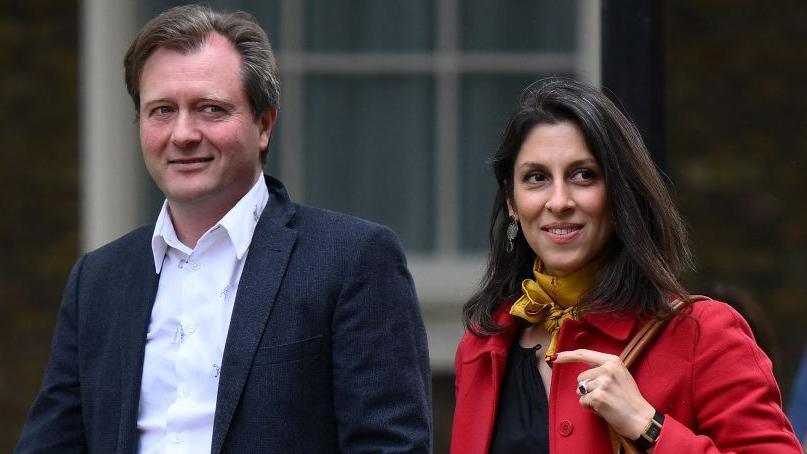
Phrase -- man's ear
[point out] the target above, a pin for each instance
(266, 122)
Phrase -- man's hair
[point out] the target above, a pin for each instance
(185, 28)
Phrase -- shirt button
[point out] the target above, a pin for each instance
(565, 428)
(175, 437)
(582, 339)
(195, 265)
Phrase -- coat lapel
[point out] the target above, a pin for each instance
(268, 256)
(134, 312)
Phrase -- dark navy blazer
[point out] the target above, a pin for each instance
(326, 350)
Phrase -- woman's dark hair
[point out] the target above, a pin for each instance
(649, 248)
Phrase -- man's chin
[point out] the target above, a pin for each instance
(187, 195)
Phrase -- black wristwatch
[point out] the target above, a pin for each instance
(651, 433)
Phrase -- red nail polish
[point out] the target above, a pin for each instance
(553, 357)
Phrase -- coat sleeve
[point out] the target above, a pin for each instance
(54, 422)
(737, 402)
(381, 376)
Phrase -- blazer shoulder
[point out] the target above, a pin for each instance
(327, 223)
(136, 242)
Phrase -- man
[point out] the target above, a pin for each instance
(240, 322)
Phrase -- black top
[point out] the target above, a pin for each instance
(522, 421)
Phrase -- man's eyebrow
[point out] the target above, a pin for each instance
(156, 101)
(215, 99)
(202, 100)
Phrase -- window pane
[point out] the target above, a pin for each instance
(368, 151)
(487, 103)
(369, 25)
(518, 25)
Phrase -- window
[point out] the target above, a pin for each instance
(389, 110)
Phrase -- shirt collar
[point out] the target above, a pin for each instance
(239, 223)
(241, 220)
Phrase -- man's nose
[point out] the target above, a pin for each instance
(186, 131)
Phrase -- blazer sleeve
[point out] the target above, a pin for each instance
(736, 399)
(54, 422)
(381, 376)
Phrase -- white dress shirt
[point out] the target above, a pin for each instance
(188, 327)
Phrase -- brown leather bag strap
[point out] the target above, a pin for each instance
(620, 444)
(637, 345)
(648, 334)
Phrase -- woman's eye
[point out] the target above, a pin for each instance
(534, 177)
(584, 175)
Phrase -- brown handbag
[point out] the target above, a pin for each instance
(634, 349)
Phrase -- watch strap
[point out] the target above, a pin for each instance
(651, 433)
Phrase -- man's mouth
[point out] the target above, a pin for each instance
(190, 160)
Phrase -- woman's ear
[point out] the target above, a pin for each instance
(511, 211)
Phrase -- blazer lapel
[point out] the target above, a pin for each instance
(263, 272)
(138, 291)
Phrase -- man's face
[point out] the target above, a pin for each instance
(201, 142)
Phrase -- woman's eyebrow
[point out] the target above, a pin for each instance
(538, 165)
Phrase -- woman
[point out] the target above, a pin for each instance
(586, 247)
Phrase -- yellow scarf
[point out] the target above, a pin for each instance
(551, 300)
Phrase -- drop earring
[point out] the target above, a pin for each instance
(512, 231)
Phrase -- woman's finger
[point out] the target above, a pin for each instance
(584, 386)
(591, 401)
(590, 357)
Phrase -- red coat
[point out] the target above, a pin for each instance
(705, 372)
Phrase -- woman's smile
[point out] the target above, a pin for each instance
(562, 233)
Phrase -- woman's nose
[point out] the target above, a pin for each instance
(560, 199)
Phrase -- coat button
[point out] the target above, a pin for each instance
(582, 339)
(565, 428)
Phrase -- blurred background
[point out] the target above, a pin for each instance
(388, 112)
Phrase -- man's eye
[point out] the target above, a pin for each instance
(212, 109)
(161, 110)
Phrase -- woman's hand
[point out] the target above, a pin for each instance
(612, 392)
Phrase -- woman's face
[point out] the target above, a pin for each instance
(559, 198)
